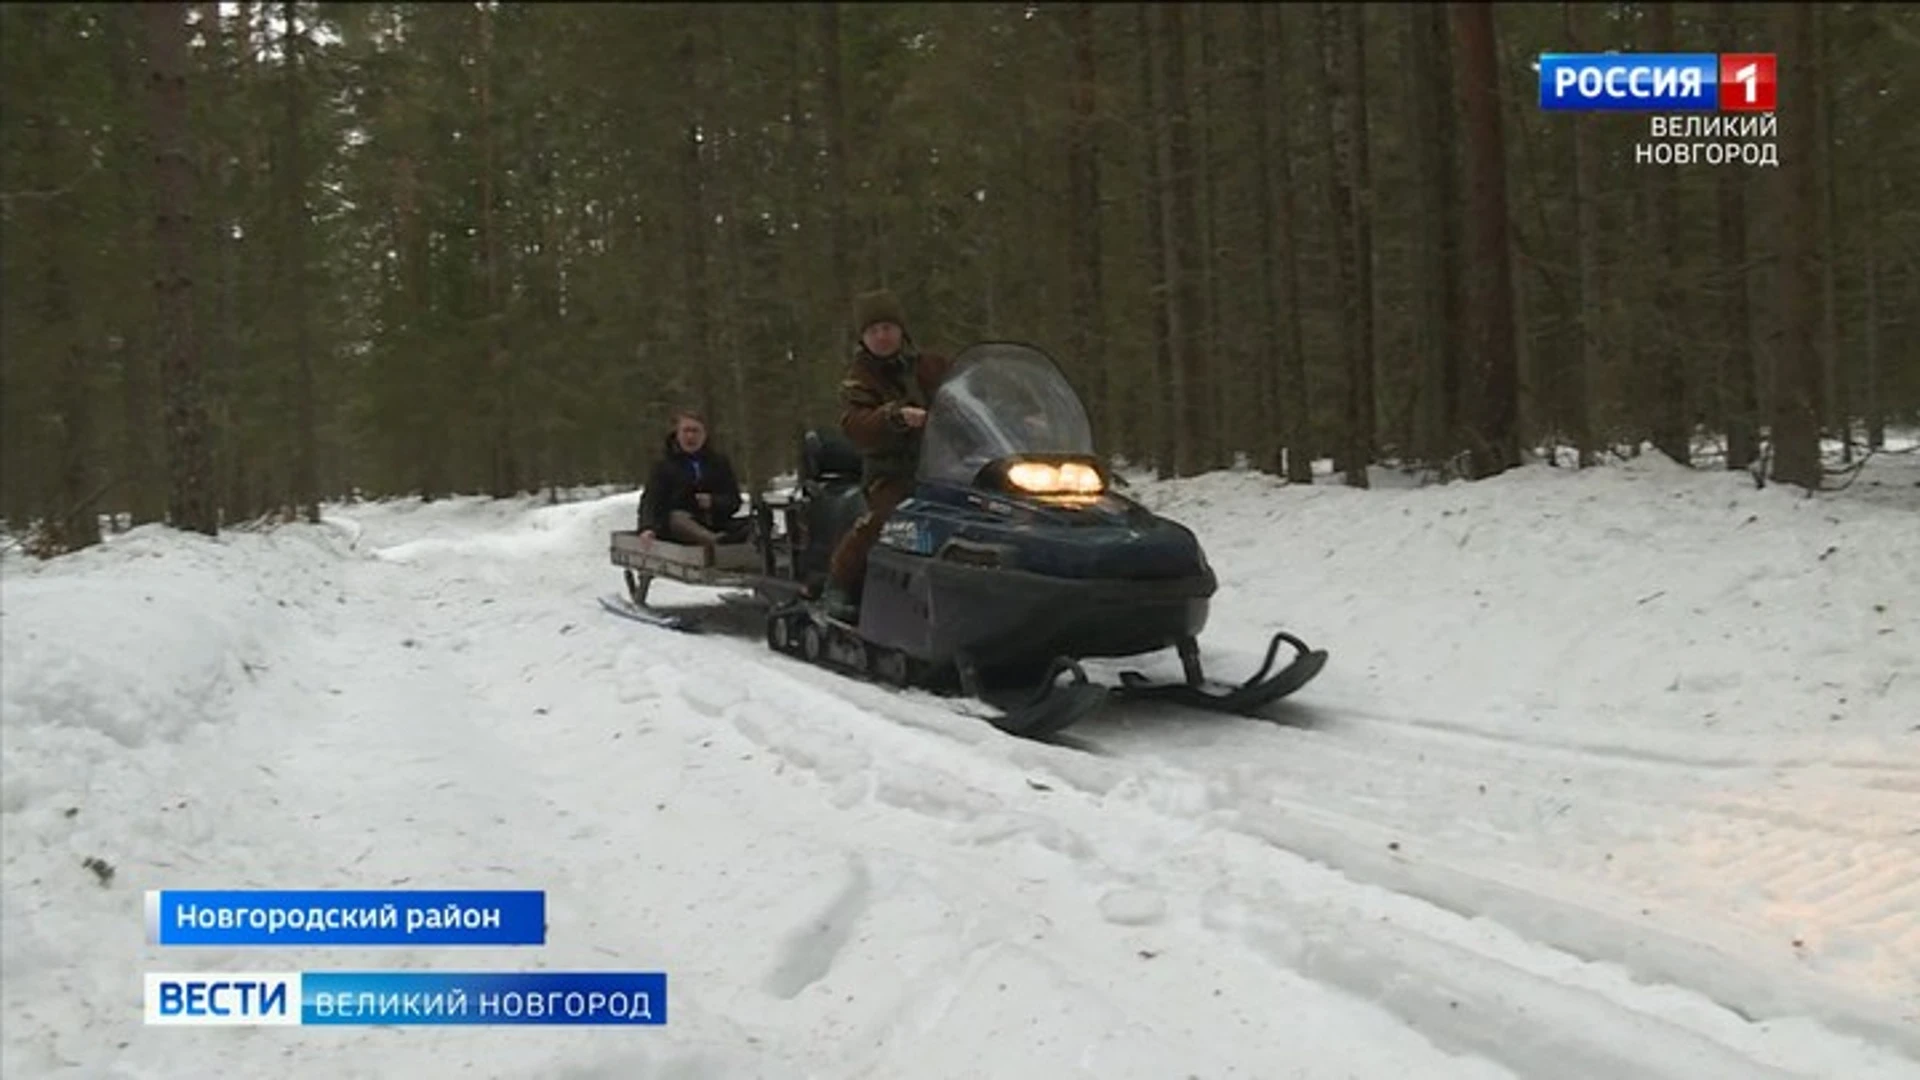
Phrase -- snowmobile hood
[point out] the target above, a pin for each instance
(1107, 536)
(1010, 504)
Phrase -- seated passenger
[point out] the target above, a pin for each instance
(692, 495)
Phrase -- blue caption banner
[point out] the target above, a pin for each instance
(410, 998)
(1629, 82)
(491, 997)
(327, 917)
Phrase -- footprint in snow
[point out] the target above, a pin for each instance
(810, 951)
(1133, 907)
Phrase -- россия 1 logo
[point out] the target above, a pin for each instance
(1749, 82)
(1726, 101)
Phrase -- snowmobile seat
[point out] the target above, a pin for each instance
(828, 458)
(831, 472)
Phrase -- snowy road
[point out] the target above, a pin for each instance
(1611, 776)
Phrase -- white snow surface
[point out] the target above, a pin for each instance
(1612, 774)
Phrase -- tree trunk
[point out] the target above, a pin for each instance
(431, 467)
(1836, 395)
(1419, 79)
(743, 427)
(1435, 139)
(1269, 451)
(1342, 125)
(839, 242)
(1796, 419)
(1221, 428)
(559, 461)
(1587, 295)
(1295, 403)
(189, 467)
(1083, 222)
(504, 473)
(736, 339)
(1665, 376)
(1739, 403)
(1489, 274)
(72, 522)
(226, 166)
(1870, 259)
(802, 317)
(1362, 412)
(143, 479)
(1182, 241)
(1029, 280)
(1451, 234)
(1166, 413)
(306, 459)
(697, 345)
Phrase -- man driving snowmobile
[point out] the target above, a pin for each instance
(692, 494)
(885, 395)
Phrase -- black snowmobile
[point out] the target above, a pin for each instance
(1015, 559)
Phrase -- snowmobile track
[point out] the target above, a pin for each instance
(1081, 702)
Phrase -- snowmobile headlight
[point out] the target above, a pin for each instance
(1043, 478)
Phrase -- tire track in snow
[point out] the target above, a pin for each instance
(1611, 896)
(1585, 918)
(1598, 905)
(1472, 1000)
(1409, 769)
(1452, 992)
(1905, 775)
(1716, 888)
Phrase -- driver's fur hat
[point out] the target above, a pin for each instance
(877, 307)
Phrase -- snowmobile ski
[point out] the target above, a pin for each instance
(1246, 699)
(1052, 706)
(627, 609)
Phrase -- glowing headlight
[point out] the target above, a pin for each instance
(1040, 478)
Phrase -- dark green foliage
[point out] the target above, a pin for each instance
(501, 300)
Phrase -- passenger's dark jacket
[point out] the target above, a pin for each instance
(680, 476)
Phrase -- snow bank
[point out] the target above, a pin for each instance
(127, 676)
(410, 531)
(139, 641)
(1642, 607)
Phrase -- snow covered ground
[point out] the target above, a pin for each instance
(1613, 774)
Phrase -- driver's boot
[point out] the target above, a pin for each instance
(837, 603)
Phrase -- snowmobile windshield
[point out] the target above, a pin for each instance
(1001, 400)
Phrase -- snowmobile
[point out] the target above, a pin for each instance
(1015, 559)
